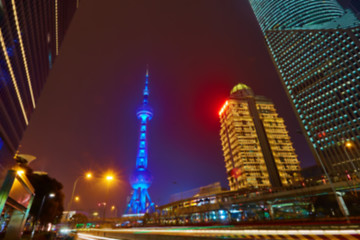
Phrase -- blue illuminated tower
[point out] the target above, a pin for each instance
(141, 177)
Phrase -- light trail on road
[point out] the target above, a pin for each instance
(91, 237)
(348, 234)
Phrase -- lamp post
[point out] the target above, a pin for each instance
(104, 209)
(109, 178)
(87, 176)
(339, 200)
(114, 209)
(51, 195)
(348, 144)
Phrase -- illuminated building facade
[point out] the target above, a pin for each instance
(31, 33)
(315, 48)
(257, 149)
(141, 179)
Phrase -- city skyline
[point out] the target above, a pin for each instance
(85, 115)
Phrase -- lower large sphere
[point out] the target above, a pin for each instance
(141, 178)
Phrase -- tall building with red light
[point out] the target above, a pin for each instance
(31, 33)
(257, 149)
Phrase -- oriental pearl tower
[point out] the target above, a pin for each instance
(141, 178)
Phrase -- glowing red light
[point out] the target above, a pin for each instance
(223, 108)
(235, 172)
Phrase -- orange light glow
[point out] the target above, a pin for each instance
(77, 198)
(88, 175)
(348, 144)
(109, 177)
(223, 108)
(20, 172)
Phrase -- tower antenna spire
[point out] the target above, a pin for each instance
(146, 89)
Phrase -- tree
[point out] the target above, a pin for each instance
(79, 218)
(52, 208)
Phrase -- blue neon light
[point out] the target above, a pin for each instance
(50, 60)
(141, 178)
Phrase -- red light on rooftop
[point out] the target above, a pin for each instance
(223, 108)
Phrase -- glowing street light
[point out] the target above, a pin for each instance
(88, 175)
(109, 177)
(348, 145)
(77, 198)
(114, 210)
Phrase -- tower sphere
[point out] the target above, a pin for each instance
(141, 178)
(144, 112)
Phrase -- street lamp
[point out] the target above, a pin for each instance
(86, 176)
(104, 205)
(343, 209)
(339, 200)
(114, 209)
(51, 195)
(348, 145)
(109, 178)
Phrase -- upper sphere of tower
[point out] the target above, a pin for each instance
(144, 112)
(241, 90)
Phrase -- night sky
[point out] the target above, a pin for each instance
(196, 50)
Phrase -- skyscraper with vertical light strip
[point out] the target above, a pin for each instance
(315, 46)
(257, 149)
(31, 33)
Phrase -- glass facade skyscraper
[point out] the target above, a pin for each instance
(257, 149)
(31, 33)
(315, 47)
